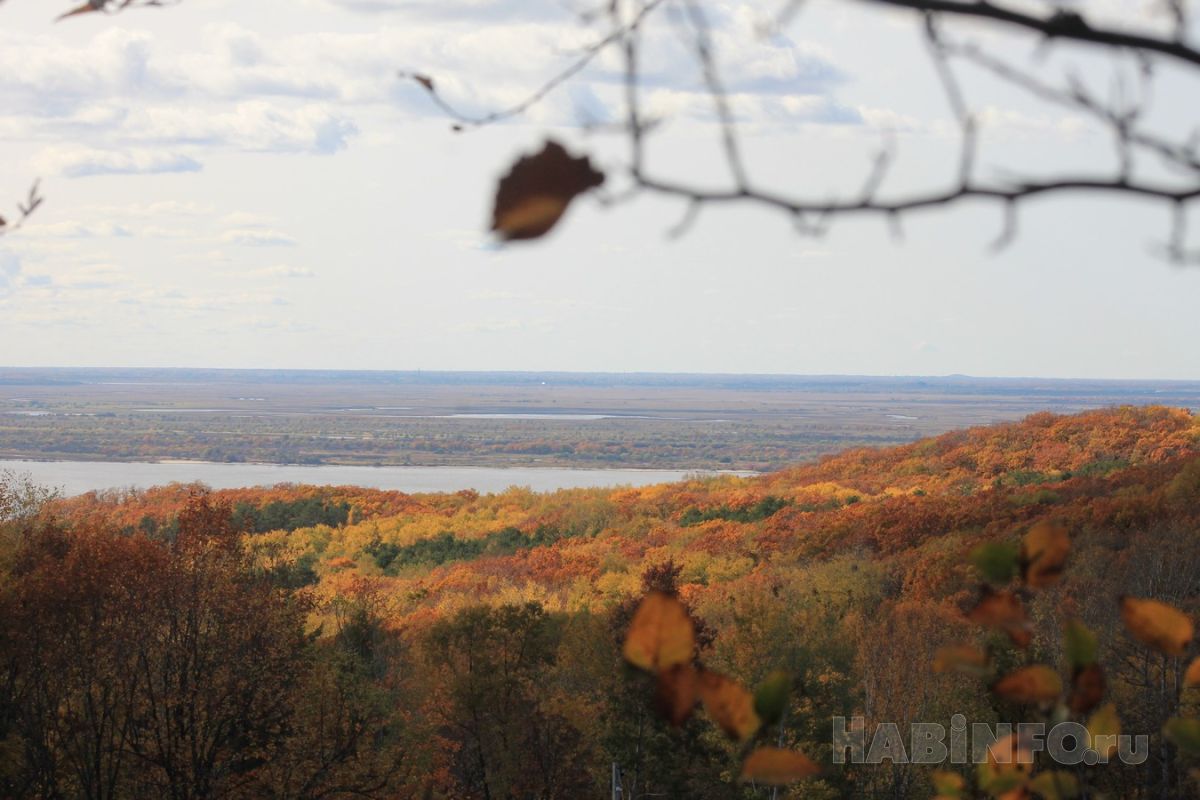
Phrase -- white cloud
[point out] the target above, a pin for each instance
(10, 270)
(81, 162)
(257, 237)
(282, 271)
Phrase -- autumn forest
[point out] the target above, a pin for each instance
(688, 640)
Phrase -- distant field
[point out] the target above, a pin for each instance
(511, 419)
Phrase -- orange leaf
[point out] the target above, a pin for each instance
(1036, 684)
(675, 696)
(660, 635)
(535, 193)
(1043, 554)
(775, 766)
(1157, 625)
(1191, 678)
(1004, 611)
(729, 704)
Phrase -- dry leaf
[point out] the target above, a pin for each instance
(1004, 611)
(675, 697)
(532, 197)
(729, 704)
(1087, 688)
(1037, 684)
(774, 766)
(1157, 625)
(1044, 553)
(660, 635)
(1191, 678)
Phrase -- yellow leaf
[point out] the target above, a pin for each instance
(1157, 625)
(1037, 684)
(774, 766)
(1056, 785)
(729, 704)
(660, 635)
(1103, 729)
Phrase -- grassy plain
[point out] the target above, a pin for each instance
(511, 419)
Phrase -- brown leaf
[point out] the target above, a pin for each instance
(1037, 684)
(729, 704)
(1087, 688)
(86, 8)
(1044, 553)
(1004, 611)
(1157, 625)
(675, 697)
(775, 766)
(532, 197)
(660, 635)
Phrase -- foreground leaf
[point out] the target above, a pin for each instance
(1087, 688)
(996, 561)
(532, 197)
(660, 635)
(1080, 643)
(1007, 768)
(774, 766)
(1004, 611)
(1184, 734)
(1037, 684)
(1104, 723)
(1056, 785)
(948, 785)
(729, 705)
(1044, 553)
(771, 696)
(676, 693)
(1191, 678)
(1157, 625)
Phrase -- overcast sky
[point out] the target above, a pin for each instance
(249, 184)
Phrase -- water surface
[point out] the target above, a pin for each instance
(77, 477)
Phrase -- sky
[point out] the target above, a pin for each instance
(234, 184)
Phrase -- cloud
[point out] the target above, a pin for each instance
(257, 237)
(282, 271)
(78, 230)
(10, 270)
(82, 162)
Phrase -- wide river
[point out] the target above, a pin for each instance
(77, 477)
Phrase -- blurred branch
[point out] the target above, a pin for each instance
(24, 209)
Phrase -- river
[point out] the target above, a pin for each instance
(77, 477)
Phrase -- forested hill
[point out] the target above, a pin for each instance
(588, 547)
(848, 574)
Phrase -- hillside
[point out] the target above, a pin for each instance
(849, 574)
